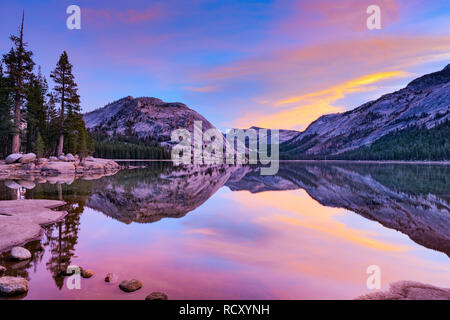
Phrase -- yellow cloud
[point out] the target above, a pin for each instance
(312, 105)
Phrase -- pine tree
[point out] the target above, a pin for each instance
(35, 110)
(67, 95)
(5, 114)
(39, 148)
(19, 67)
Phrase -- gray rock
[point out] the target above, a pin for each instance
(14, 157)
(111, 278)
(62, 158)
(2, 270)
(424, 102)
(12, 184)
(27, 184)
(28, 158)
(53, 158)
(86, 273)
(157, 296)
(89, 158)
(19, 253)
(130, 285)
(21, 220)
(13, 286)
(409, 290)
(70, 157)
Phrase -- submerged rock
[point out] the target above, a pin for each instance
(21, 220)
(13, 286)
(2, 270)
(19, 253)
(111, 278)
(130, 285)
(86, 273)
(157, 296)
(28, 158)
(14, 157)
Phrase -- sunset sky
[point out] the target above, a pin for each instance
(278, 64)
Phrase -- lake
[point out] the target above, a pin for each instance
(221, 232)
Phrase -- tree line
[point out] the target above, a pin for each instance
(33, 117)
(412, 143)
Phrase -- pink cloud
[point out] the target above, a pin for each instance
(129, 16)
(350, 15)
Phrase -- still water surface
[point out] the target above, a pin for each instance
(310, 232)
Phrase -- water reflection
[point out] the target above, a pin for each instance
(413, 199)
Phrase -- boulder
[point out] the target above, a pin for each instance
(157, 296)
(14, 157)
(111, 278)
(409, 290)
(27, 184)
(62, 158)
(89, 158)
(59, 167)
(19, 253)
(70, 157)
(41, 161)
(2, 270)
(12, 184)
(28, 158)
(53, 158)
(87, 273)
(13, 286)
(130, 285)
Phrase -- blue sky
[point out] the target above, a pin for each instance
(239, 63)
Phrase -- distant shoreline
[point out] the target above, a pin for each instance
(314, 161)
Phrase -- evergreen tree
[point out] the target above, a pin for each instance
(5, 114)
(67, 96)
(19, 67)
(35, 110)
(39, 148)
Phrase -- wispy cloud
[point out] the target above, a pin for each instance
(201, 89)
(306, 108)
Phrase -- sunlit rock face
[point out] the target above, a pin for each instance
(424, 102)
(413, 200)
(249, 178)
(147, 119)
(147, 196)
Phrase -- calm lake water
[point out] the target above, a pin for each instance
(309, 232)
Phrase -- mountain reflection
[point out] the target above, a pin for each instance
(413, 199)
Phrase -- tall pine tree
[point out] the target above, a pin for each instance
(19, 67)
(35, 110)
(5, 114)
(67, 95)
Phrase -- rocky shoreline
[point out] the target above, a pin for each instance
(409, 290)
(25, 166)
(21, 221)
